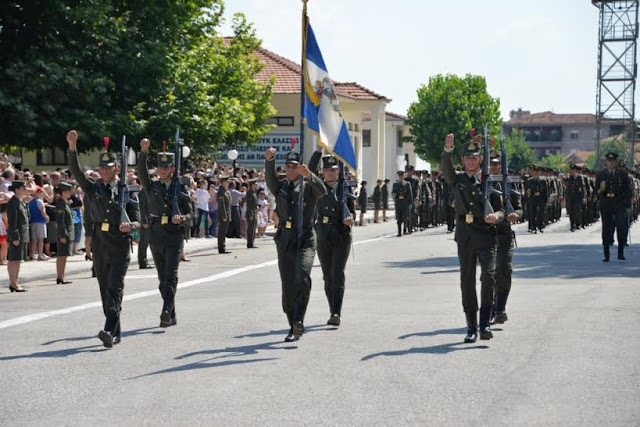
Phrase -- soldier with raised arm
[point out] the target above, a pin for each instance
(295, 256)
(167, 225)
(475, 234)
(111, 240)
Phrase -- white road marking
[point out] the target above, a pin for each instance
(44, 315)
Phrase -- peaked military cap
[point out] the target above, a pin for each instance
(494, 156)
(108, 159)
(292, 157)
(387, 180)
(471, 148)
(329, 162)
(166, 159)
(401, 173)
(64, 186)
(611, 155)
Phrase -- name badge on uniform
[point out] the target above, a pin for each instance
(468, 218)
(288, 224)
(325, 220)
(401, 197)
(105, 226)
(164, 220)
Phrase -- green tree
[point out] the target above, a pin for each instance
(519, 153)
(618, 146)
(451, 104)
(111, 67)
(555, 162)
(591, 161)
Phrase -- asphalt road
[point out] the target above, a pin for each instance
(569, 354)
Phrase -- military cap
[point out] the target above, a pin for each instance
(622, 165)
(471, 148)
(329, 162)
(494, 156)
(363, 183)
(223, 178)
(292, 157)
(64, 186)
(378, 180)
(282, 174)
(17, 184)
(166, 159)
(108, 159)
(400, 173)
(387, 180)
(411, 167)
(611, 155)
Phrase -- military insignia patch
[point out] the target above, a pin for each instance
(164, 158)
(105, 157)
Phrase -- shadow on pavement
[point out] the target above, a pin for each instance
(435, 349)
(142, 331)
(456, 331)
(284, 332)
(57, 353)
(569, 261)
(224, 357)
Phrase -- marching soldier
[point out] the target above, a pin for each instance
(506, 244)
(414, 202)
(166, 225)
(295, 256)
(333, 230)
(111, 241)
(614, 193)
(17, 233)
(362, 201)
(475, 234)
(402, 197)
(377, 201)
(224, 213)
(251, 214)
(576, 197)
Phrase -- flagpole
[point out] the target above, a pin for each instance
(305, 23)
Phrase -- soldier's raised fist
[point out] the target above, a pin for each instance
(449, 141)
(144, 145)
(271, 153)
(72, 139)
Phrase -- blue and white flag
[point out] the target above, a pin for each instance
(321, 107)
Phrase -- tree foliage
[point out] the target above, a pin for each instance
(140, 68)
(555, 162)
(451, 104)
(519, 153)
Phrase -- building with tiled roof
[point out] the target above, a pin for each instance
(378, 136)
(551, 133)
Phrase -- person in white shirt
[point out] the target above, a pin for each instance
(202, 206)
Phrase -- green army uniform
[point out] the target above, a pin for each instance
(64, 219)
(334, 240)
(111, 248)
(295, 256)
(251, 214)
(402, 197)
(224, 215)
(166, 239)
(576, 197)
(476, 240)
(18, 226)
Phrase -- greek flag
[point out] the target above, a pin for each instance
(321, 108)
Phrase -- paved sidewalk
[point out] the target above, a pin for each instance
(32, 271)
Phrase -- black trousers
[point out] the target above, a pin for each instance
(143, 244)
(504, 269)
(111, 259)
(223, 228)
(234, 227)
(575, 213)
(610, 219)
(537, 214)
(480, 247)
(167, 258)
(295, 265)
(333, 255)
(402, 217)
(251, 231)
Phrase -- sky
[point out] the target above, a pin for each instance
(536, 55)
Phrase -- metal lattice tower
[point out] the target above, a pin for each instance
(617, 65)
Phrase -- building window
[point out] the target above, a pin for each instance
(356, 127)
(575, 134)
(281, 121)
(400, 141)
(366, 138)
(51, 156)
(350, 126)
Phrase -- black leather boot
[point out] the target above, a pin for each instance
(472, 327)
(485, 329)
(606, 253)
(621, 252)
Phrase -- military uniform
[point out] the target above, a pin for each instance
(295, 256)
(576, 197)
(614, 193)
(384, 192)
(145, 228)
(165, 238)
(476, 240)
(224, 214)
(251, 213)
(402, 197)
(111, 247)
(64, 218)
(334, 241)
(18, 226)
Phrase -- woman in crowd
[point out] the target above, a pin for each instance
(64, 219)
(263, 213)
